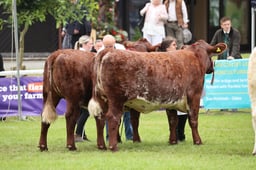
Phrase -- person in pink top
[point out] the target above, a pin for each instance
(155, 17)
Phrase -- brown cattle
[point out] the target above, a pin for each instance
(67, 74)
(147, 82)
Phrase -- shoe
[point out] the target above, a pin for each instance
(78, 138)
(181, 138)
(2, 118)
(85, 138)
(130, 138)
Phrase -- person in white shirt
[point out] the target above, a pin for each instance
(156, 15)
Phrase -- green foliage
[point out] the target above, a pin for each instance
(29, 12)
(227, 144)
(137, 34)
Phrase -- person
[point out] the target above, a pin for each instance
(110, 42)
(230, 36)
(155, 17)
(74, 30)
(177, 20)
(85, 44)
(170, 44)
(97, 45)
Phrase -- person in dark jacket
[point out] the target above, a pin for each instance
(231, 37)
(73, 31)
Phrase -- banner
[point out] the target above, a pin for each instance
(31, 97)
(230, 87)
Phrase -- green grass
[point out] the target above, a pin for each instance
(244, 56)
(227, 144)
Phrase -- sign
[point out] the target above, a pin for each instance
(230, 87)
(31, 97)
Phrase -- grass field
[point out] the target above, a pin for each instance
(227, 144)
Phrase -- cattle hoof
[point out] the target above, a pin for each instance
(197, 142)
(101, 147)
(113, 148)
(71, 148)
(136, 141)
(43, 148)
(173, 142)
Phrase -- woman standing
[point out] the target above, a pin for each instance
(170, 44)
(155, 17)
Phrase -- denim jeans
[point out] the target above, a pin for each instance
(127, 126)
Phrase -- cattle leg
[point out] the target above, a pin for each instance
(100, 123)
(113, 125)
(43, 136)
(193, 122)
(71, 115)
(135, 116)
(173, 122)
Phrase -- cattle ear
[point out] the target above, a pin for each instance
(219, 48)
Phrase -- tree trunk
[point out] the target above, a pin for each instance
(22, 42)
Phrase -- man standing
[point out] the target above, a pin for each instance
(230, 36)
(177, 19)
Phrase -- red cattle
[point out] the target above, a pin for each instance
(67, 74)
(147, 82)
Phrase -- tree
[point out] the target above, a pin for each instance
(31, 11)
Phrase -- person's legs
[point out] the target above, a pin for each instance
(157, 39)
(169, 30)
(148, 37)
(127, 126)
(84, 114)
(106, 125)
(179, 36)
(182, 118)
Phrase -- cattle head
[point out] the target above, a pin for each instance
(141, 45)
(205, 51)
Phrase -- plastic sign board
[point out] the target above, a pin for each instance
(230, 87)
